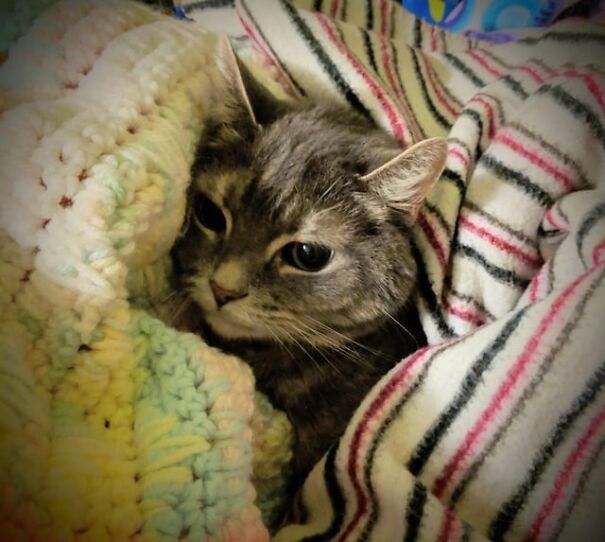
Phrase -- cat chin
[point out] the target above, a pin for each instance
(233, 330)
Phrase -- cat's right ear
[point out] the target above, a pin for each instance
(257, 104)
(403, 182)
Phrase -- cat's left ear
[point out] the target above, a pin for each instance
(257, 103)
(404, 181)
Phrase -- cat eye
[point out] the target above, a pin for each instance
(306, 256)
(208, 214)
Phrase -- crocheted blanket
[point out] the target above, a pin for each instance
(113, 426)
(496, 429)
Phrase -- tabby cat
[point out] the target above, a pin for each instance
(297, 251)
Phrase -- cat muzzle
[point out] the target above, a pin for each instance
(222, 295)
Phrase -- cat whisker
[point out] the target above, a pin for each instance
(175, 317)
(401, 326)
(279, 341)
(335, 345)
(305, 335)
(303, 349)
(344, 338)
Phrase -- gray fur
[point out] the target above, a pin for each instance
(317, 342)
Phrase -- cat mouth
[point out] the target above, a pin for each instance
(230, 327)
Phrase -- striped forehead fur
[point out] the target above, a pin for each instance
(307, 161)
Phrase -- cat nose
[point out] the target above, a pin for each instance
(222, 295)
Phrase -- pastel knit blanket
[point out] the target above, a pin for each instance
(496, 429)
(113, 426)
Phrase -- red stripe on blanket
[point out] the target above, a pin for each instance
(334, 8)
(447, 526)
(384, 20)
(465, 314)
(591, 84)
(431, 236)
(455, 152)
(598, 254)
(489, 108)
(528, 355)
(550, 219)
(398, 380)
(389, 65)
(533, 74)
(433, 38)
(534, 157)
(388, 108)
(535, 284)
(443, 100)
(481, 60)
(249, 28)
(565, 476)
(498, 242)
(251, 32)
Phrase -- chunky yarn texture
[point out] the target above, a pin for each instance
(113, 426)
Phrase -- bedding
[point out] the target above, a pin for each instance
(115, 426)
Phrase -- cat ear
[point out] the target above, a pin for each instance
(257, 103)
(404, 181)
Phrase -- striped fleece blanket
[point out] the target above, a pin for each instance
(496, 429)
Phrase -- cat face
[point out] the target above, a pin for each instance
(299, 231)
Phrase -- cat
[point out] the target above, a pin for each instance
(296, 253)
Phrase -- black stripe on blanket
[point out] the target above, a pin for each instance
(507, 514)
(425, 94)
(579, 491)
(369, 15)
(470, 299)
(282, 66)
(417, 34)
(472, 154)
(436, 212)
(428, 296)
(344, 10)
(335, 491)
(515, 86)
(377, 439)
(518, 179)
(456, 179)
(208, 4)
(369, 49)
(471, 113)
(517, 234)
(397, 69)
(325, 60)
(596, 214)
(577, 109)
(552, 149)
(566, 37)
(464, 69)
(414, 512)
(502, 275)
(337, 500)
(465, 393)
(561, 341)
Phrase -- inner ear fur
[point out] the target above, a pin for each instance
(255, 101)
(403, 182)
